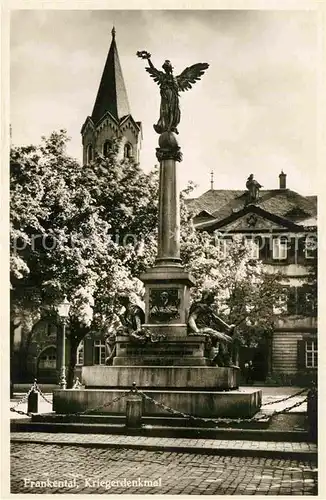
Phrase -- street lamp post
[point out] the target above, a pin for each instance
(63, 312)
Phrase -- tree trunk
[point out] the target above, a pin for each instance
(76, 334)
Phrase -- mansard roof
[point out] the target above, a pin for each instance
(283, 203)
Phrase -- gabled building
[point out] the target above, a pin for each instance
(283, 225)
(111, 116)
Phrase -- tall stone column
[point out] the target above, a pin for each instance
(169, 207)
(167, 283)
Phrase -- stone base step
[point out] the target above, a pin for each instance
(207, 404)
(259, 421)
(50, 426)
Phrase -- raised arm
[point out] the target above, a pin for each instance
(158, 76)
(150, 63)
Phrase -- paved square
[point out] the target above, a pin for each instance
(52, 468)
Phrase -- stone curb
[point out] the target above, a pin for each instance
(24, 425)
(297, 454)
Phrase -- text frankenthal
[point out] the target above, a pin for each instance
(94, 483)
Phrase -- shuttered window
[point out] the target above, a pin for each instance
(310, 247)
(280, 306)
(223, 246)
(280, 248)
(311, 354)
(302, 301)
(307, 354)
(88, 350)
(253, 246)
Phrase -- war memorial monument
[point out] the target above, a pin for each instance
(174, 370)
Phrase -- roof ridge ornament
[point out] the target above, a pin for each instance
(253, 189)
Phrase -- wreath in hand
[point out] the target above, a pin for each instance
(143, 54)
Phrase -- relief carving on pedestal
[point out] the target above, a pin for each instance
(164, 305)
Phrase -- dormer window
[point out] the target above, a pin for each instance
(128, 151)
(90, 153)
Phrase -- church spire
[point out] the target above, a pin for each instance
(111, 117)
(112, 94)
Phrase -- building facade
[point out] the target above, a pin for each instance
(283, 226)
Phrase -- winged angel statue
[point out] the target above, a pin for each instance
(170, 86)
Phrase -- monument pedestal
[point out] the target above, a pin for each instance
(172, 371)
(167, 299)
(172, 378)
(176, 351)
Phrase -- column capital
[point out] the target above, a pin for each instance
(169, 154)
(169, 148)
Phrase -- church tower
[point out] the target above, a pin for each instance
(111, 115)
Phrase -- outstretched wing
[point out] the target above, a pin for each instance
(190, 75)
(158, 76)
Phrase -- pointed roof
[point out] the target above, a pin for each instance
(112, 94)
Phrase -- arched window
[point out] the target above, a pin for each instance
(48, 358)
(106, 148)
(80, 353)
(90, 155)
(128, 152)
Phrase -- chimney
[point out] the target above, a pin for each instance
(282, 178)
(212, 179)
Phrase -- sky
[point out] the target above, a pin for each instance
(253, 111)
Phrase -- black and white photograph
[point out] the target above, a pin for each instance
(163, 176)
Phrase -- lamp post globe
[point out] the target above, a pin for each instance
(63, 308)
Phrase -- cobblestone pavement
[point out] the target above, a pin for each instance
(92, 471)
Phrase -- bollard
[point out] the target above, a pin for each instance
(32, 400)
(312, 411)
(134, 408)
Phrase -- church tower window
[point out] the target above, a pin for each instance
(90, 154)
(128, 152)
(106, 148)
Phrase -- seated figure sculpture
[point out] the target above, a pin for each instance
(128, 321)
(131, 315)
(202, 321)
